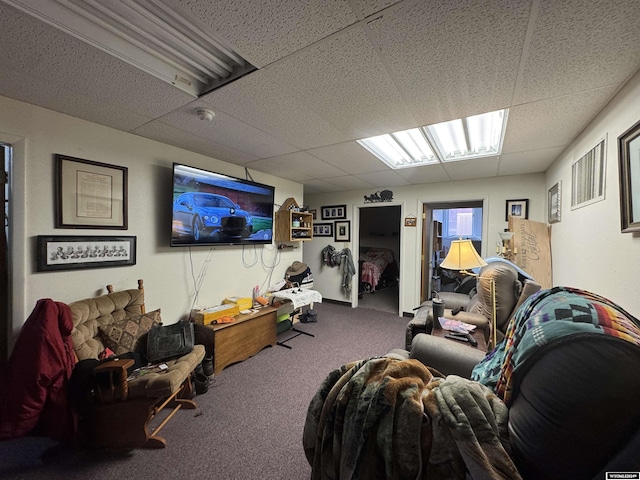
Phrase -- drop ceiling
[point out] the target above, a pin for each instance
(331, 72)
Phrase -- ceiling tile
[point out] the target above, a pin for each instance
(164, 133)
(350, 157)
(322, 186)
(79, 77)
(424, 174)
(453, 59)
(364, 8)
(383, 179)
(554, 122)
(348, 182)
(261, 99)
(299, 164)
(473, 168)
(532, 161)
(263, 32)
(229, 131)
(343, 80)
(599, 55)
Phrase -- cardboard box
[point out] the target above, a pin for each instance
(211, 314)
(244, 303)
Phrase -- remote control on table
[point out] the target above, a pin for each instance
(462, 337)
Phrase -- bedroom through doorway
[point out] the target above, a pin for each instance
(379, 258)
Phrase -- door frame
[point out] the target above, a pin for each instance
(355, 242)
(427, 236)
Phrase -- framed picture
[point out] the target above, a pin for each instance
(90, 194)
(343, 231)
(60, 252)
(517, 209)
(323, 229)
(333, 212)
(555, 202)
(314, 213)
(410, 221)
(629, 158)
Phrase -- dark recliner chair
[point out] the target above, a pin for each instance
(574, 411)
(511, 291)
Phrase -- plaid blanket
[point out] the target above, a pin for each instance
(545, 317)
(387, 418)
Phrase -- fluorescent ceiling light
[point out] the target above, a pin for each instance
(463, 138)
(408, 148)
(152, 35)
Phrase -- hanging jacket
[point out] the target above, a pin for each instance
(33, 397)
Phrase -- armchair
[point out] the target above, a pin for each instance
(572, 397)
(119, 412)
(511, 291)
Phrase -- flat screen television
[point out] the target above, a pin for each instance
(210, 208)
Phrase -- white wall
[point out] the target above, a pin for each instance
(589, 251)
(37, 134)
(494, 191)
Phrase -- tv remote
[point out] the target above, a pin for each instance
(463, 337)
(460, 338)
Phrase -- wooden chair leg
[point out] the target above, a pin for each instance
(125, 425)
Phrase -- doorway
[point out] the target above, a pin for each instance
(5, 151)
(444, 222)
(379, 258)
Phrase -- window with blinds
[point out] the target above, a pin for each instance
(587, 177)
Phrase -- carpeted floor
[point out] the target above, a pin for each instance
(384, 300)
(247, 426)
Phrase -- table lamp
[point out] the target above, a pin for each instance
(463, 257)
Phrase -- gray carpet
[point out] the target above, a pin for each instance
(247, 426)
(384, 300)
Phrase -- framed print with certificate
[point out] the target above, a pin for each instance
(90, 194)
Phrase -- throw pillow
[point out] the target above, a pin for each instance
(127, 335)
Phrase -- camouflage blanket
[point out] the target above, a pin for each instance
(387, 418)
(546, 317)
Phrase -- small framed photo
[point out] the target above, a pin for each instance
(554, 202)
(58, 252)
(333, 212)
(314, 213)
(323, 229)
(90, 194)
(517, 209)
(343, 231)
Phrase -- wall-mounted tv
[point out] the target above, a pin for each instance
(214, 209)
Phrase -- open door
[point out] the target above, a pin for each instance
(442, 223)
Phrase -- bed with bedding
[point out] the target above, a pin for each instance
(377, 266)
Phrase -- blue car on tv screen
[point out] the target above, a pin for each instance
(205, 216)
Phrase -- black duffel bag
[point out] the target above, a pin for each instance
(170, 341)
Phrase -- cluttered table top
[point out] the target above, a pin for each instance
(298, 296)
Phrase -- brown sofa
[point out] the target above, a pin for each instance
(120, 412)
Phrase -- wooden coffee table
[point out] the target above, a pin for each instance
(479, 336)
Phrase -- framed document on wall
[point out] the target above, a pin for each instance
(90, 194)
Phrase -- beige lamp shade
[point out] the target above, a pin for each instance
(462, 256)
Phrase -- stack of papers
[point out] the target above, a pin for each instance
(456, 325)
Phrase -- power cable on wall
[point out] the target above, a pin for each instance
(197, 282)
